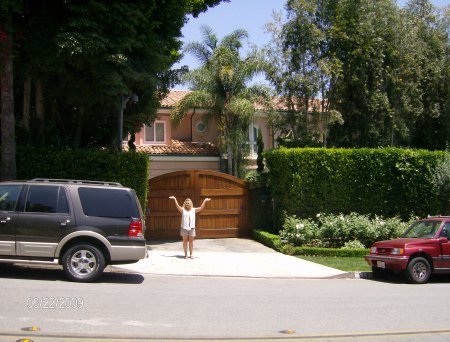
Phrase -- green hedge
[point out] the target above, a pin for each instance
(128, 168)
(387, 182)
(274, 241)
(268, 239)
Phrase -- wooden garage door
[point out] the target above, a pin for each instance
(226, 215)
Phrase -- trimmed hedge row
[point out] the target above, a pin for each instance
(127, 168)
(274, 241)
(388, 182)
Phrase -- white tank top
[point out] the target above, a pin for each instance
(188, 219)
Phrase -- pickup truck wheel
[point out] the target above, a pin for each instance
(418, 271)
(83, 263)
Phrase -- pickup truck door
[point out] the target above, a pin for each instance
(9, 194)
(443, 261)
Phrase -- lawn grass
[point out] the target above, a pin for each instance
(348, 264)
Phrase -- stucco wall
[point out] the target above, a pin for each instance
(164, 164)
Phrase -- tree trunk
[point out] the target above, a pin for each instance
(39, 103)
(78, 128)
(8, 147)
(230, 159)
(26, 104)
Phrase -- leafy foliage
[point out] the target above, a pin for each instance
(220, 85)
(274, 241)
(381, 72)
(79, 58)
(386, 182)
(340, 231)
(128, 168)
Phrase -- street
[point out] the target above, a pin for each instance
(133, 306)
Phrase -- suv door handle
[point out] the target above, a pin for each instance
(5, 220)
(64, 223)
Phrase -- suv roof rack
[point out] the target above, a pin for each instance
(76, 181)
(438, 216)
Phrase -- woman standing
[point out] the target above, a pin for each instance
(187, 230)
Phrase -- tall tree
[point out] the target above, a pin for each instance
(220, 85)
(303, 70)
(381, 67)
(7, 120)
(76, 59)
(431, 73)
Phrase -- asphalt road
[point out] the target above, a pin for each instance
(132, 306)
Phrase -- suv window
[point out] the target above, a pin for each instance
(8, 197)
(46, 199)
(107, 203)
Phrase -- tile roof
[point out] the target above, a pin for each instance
(175, 96)
(179, 147)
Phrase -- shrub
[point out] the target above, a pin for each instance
(298, 231)
(268, 239)
(337, 231)
(127, 168)
(274, 241)
(441, 184)
(386, 182)
(355, 244)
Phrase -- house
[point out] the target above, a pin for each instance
(194, 143)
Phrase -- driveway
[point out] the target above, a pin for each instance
(227, 258)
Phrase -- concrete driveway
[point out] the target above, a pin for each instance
(227, 258)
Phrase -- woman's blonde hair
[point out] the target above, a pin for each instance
(188, 200)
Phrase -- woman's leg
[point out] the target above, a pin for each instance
(191, 245)
(185, 245)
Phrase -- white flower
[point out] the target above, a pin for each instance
(299, 225)
(318, 215)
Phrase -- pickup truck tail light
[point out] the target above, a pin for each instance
(135, 228)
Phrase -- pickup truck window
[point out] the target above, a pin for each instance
(423, 229)
(446, 230)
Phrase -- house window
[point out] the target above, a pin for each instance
(252, 138)
(201, 127)
(155, 133)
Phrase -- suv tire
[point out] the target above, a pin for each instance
(418, 271)
(83, 263)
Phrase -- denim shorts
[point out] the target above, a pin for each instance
(185, 232)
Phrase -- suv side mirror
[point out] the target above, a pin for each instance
(442, 239)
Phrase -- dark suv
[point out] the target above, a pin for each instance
(82, 225)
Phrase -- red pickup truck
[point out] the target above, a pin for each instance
(423, 249)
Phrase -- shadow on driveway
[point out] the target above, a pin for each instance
(390, 277)
(55, 273)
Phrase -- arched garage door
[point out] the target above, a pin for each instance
(226, 215)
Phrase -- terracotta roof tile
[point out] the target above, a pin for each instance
(176, 95)
(173, 97)
(179, 147)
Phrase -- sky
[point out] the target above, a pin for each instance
(250, 15)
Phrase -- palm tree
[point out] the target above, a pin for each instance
(220, 84)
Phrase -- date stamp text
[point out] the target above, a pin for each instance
(55, 302)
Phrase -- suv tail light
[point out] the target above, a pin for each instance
(135, 228)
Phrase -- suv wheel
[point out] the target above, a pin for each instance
(418, 271)
(83, 263)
